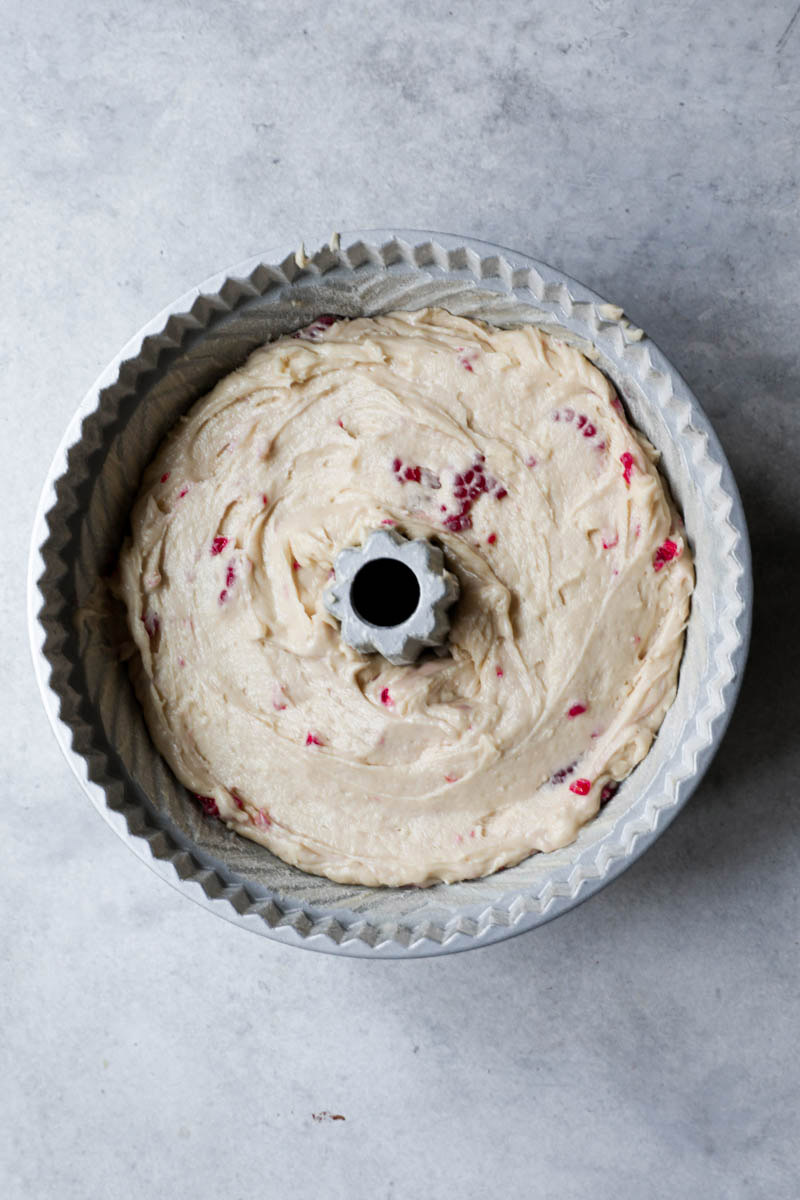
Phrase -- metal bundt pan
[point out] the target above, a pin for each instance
(82, 519)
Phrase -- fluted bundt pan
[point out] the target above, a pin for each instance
(82, 520)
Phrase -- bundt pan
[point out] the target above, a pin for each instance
(82, 519)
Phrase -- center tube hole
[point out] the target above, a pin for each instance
(384, 592)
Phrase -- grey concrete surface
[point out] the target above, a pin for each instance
(645, 1045)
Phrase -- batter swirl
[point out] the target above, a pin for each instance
(510, 449)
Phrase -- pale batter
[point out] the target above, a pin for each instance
(513, 451)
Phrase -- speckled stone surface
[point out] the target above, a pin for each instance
(646, 1043)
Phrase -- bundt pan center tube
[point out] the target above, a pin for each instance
(392, 596)
(84, 514)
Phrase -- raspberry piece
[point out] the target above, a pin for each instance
(230, 575)
(582, 422)
(386, 698)
(165, 477)
(664, 554)
(313, 740)
(581, 787)
(499, 672)
(467, 487)
(218, 545)
(458, 522)
(628, 464)
(492, 538)
(314, 331)
(208, 805)
(576, 710)
(609, 790)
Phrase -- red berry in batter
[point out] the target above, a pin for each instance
(581, 787)
(208, 805)
(664, 554)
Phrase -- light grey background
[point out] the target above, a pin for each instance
(645, 1045)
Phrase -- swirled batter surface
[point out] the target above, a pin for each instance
(513, 451)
